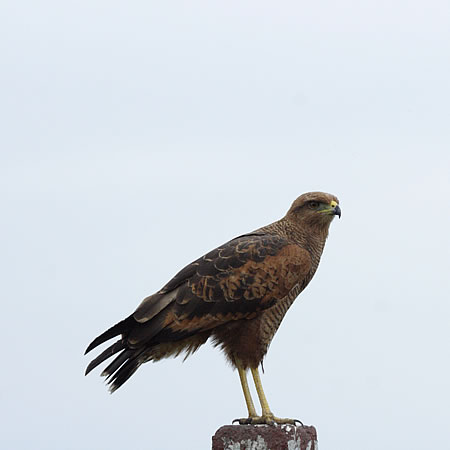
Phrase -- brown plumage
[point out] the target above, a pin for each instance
(237, 294)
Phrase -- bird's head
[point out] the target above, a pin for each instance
(314, 209)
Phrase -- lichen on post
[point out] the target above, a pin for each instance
(265, 437)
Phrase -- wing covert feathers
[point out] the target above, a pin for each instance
(245, 275)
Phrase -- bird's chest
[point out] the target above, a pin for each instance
(270, 319)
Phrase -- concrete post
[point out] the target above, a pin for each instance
(265, 437)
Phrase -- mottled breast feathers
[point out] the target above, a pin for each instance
(234, 281)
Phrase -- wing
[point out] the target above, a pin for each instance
(235, 281)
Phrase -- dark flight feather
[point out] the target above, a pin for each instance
(110, 351)
(118, 328)
(117, 377)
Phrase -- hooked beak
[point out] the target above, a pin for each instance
(337, 211)
(332, 209)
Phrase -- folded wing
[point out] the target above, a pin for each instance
(232, 282)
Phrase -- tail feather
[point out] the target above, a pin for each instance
(114, 331)
(112, 350)
(125, 372)
(117, 363)
(138, 343)
(121, 368)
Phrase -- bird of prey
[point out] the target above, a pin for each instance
(237, 295)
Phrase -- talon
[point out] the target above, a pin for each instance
(270, 420)
(244, 421)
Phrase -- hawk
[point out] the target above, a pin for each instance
(236, 295)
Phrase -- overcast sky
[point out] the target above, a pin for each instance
(136, 136)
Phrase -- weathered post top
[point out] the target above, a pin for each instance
(265, 437)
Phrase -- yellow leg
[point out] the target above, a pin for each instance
(262, 397)
(247, 395)
(267, 417)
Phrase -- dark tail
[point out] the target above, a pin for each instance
(116, 347)
(120, 328)
(125, 364)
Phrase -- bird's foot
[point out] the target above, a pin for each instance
(267, 419)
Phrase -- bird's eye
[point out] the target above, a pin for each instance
(313, 205)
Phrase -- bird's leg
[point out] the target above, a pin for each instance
(267, 416)
(261, 395)
(248, 398)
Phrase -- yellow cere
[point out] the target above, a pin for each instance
(329, 209)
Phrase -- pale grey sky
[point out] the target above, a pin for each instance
(136, 136)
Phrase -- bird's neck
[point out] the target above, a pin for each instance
(311, 239)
